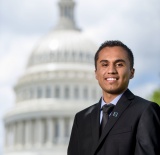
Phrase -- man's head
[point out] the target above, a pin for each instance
(114, 67)
(112, 44)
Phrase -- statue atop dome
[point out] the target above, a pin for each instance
(66, 15)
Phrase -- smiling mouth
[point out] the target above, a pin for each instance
(111, 79)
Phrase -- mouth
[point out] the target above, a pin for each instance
(111, 79)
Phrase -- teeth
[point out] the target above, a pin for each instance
(111, 79)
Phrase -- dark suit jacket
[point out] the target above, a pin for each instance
(134, 131)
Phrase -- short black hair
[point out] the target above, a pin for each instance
(113, 43)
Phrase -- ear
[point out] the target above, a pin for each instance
(132, 73)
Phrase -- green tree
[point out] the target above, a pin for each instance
(155, 97)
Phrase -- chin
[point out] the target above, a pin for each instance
(114, 91)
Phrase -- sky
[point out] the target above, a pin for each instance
(24, 22)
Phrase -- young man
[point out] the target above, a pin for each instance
(132, 127)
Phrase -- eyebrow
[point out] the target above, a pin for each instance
(118, 60)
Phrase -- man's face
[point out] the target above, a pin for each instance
(113, 70)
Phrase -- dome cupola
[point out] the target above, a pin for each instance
(66, 12)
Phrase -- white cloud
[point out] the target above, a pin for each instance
(14, 56)
(28, 16)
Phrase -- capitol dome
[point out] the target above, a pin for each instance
(62, 46)
(58, 82)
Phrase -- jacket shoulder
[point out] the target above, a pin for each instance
(141, 102)
(87, 110)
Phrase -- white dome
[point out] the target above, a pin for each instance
(63, 46)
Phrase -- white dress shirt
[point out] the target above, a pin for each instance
(114, 102)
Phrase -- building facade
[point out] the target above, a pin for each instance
(59, 81)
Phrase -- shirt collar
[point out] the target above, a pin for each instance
(114, 101)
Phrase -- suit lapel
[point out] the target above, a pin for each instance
(95, 123)
(121, 106)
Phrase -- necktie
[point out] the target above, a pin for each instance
(107, 109)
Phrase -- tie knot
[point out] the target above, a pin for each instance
(107, 108)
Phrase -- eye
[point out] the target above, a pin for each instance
(119, 64)
(104, 64)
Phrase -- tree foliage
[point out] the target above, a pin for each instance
(156, 96)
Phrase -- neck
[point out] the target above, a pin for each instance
(109, 97)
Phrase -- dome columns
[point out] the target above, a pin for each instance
(28, 136)
(36, 133)
(50, 131)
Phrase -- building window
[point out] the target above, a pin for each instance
(81, 56)
(89, 57)
(39, 93)
(48, 92)
(27, 94)
(76, 93)
(24, 94)
(31, 93)
(52, 57)
(57, 92)
(58, 56)
(85, 93)
(66, 92)
(73, 56)
(20, 96)
(94, 94)
(66, 56)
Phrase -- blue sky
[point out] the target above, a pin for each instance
(24, 22)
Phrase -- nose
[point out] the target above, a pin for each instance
(112, 69)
